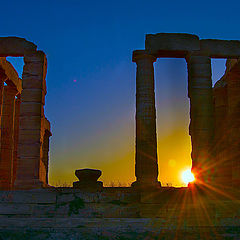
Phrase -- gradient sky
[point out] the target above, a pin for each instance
(91, 79)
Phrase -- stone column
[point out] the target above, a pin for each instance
(16, 134)
(31, 121)
(201, 114)
(232, 165)
(46, 152)
(3, 77)
(221, 146)
(7, 137)
(146, 163)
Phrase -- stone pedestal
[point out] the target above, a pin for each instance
(31, 121)
(201, 114)
(7, 138)
(146, 165)
(88, 180)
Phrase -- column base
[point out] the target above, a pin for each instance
(146, 186)
(28, 184)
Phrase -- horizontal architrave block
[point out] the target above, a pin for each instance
(15, 46)
(220, 48)
(171, 44)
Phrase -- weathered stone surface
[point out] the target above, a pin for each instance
(41, 196)
(15, 46)
(31, 109)
(12, 209)
(30, 136)
(29, 150)
(220, 48)
(171, 44)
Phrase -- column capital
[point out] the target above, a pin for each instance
(142, 54)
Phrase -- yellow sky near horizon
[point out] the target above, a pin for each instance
(116, 160)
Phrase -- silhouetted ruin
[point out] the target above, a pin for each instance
(146, 210)
(25, 131)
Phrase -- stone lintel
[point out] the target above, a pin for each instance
(140, 54)
(11, 74)
(171, 44)
(216, 48)
(15, 46)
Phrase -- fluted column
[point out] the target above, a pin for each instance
(146, 163)
(201, 115)
(7, 137)
(31, 121)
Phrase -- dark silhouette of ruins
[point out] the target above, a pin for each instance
(91, 211)
(214, 112)
(25, 131)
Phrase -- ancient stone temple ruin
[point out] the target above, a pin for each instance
(214, 112)
(145, 210)
(25, 130)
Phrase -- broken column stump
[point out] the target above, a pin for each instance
(88, 180)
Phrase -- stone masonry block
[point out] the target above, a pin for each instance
(40, 196)
(15, 46)
(29, 150)
(220, 48)
(34, 68)
(199, 69)
(29, 136)
(37, 57)
(33, 95)
(30, 122)
(171, 43)
(30, 81)
(31, 109)
(12, 209)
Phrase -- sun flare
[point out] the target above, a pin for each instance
(187, 176)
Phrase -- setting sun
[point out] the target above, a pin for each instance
(187, 176)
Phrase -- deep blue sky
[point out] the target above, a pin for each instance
(91, 80)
